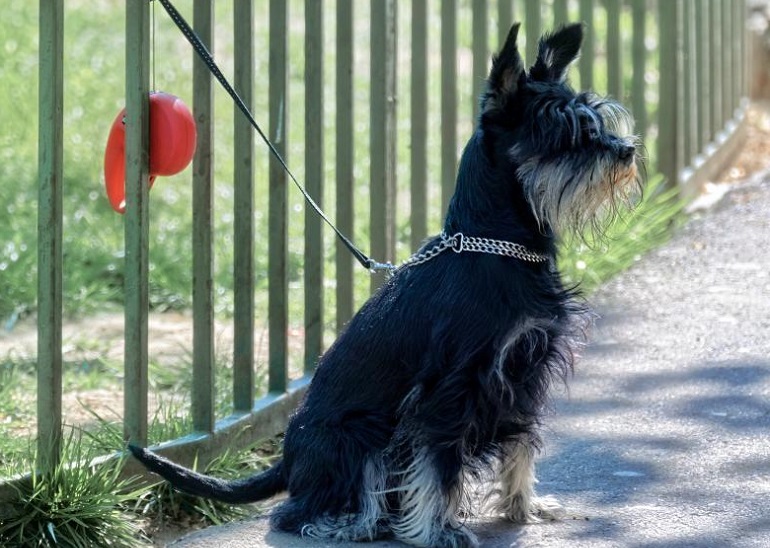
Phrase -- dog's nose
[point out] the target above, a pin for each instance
(626, 152)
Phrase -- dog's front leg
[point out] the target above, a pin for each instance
(514, 496)
(429, 496)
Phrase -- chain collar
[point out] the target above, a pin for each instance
(460, 243)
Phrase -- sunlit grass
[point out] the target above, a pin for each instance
(650, 224)
(75, 504)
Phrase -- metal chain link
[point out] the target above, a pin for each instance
(500, 247)
(459, 243)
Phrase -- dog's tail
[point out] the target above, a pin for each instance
(242, 491)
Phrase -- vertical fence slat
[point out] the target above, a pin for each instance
(50, 173)
(740, 23)
(448, 100)
(504, 21)
(203, 204)
(278, 239)
(344, 159)
(738, 58)
(560, 12)
(670, 128)
(703, 86)
(688, 82)
(745, 49)
(639, 62)
(728, 102)
(614, 49)
(314, 178)
(715, 16)
(243, 226)
(533, 20)
(419, 124)
(383, 133)
(136, 221)
(480, 54)
(587, 60)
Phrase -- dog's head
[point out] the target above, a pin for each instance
(571, 155)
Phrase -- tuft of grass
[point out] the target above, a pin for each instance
(592, 262)
(78, 504)
(161, 503)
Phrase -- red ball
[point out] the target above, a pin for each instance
(172, 145)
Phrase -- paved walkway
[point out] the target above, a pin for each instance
(663, 439)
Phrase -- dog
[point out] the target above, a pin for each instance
(444, 374)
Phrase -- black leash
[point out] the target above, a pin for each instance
(203, 52)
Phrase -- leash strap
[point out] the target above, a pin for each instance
(208, 59)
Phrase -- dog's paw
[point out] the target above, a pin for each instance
(546, 509)
(530, 510)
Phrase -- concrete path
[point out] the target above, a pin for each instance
(663, 438)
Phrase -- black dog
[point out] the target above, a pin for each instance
(444, 373)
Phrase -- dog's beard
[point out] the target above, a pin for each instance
(571, 195)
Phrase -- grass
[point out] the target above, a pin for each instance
(591, 263)
(161, 503)
(76, 505)
(85, 501)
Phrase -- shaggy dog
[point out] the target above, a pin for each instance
(445, 372)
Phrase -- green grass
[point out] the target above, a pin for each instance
(161, 503)
(75, 505)
(85, 501)
(591, 263)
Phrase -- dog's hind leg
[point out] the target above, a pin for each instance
(514, 496)
(368, 522)
(292, 517)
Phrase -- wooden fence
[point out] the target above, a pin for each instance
(679, 64)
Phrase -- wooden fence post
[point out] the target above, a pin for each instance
(586, 61)
(203, 207)
(243, 226)
(533, 21)
(639, 62)
(670, 144)
(614, 51)
(448, 101)
(278, 239)
(314, 177)
(49, 234)
(480, 53)
(344, 159)
(136, 221)
(419, 124)
(383, 134)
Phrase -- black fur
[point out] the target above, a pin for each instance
(446, 370)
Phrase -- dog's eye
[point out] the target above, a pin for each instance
(590, 125)
(591, 132)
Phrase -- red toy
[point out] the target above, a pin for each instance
(172, 145)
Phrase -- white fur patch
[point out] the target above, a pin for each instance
(428, 516)
(514, 496)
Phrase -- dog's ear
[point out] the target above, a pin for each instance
(555, 52)
(507, 69)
